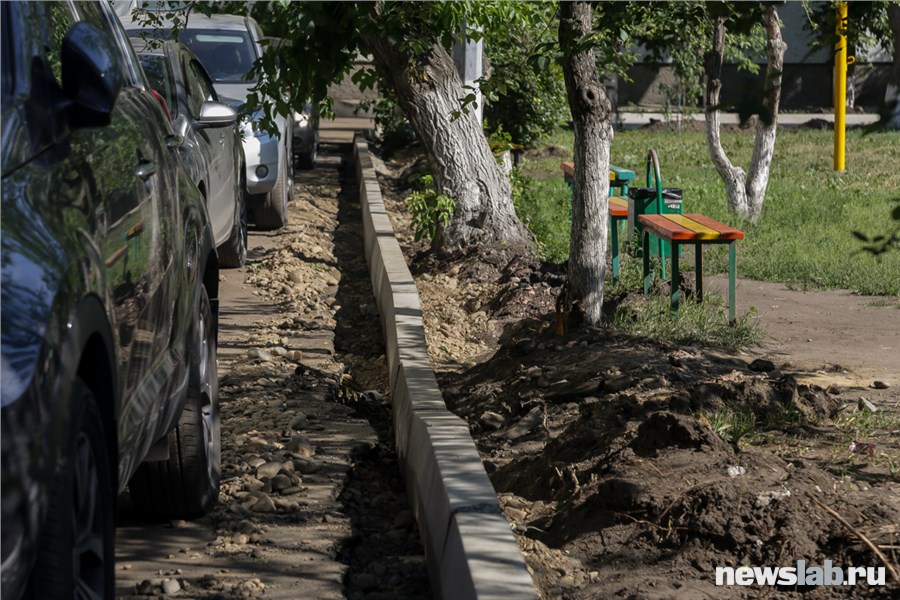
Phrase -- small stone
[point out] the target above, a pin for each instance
(736, 471)
(145, 588)
(300, 446)
(617, 384)
(263, 504)
(178, 524)
(865, 404)
(260, 354)
(281, 482)
(296, 276)
(762, 365)
(880, 385)
(279, 351)
(491, 420)
(269, 470)
(299, 422)
(306, 467)
(171, 586)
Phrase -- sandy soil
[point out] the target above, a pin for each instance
(312, 505)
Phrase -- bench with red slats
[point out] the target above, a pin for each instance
(692, 229)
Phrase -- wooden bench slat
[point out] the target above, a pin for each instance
(615, 173)
(666, 229)
(703, 232)
(689, 227)
(725, 232)
(618, 206)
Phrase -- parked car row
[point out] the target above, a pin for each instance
(127, 181)
(227, 46)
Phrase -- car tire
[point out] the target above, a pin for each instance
(233, 253)
(273, 213)
(307, 160)
(186, 485)
(76, 549)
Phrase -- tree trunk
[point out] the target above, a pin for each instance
(745, 194)
(428, 90)
(892, 94)
(591, 111)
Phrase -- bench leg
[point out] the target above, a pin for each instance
(662, 257)
(698, 266)
(732, 250)
(645, 244)
(614, 235)
(676, 278)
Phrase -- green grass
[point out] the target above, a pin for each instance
(804, 237)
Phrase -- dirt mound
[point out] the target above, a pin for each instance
(631, 467)
(665, 430)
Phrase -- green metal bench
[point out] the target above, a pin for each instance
(689, 229)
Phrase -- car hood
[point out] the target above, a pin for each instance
(233, 92)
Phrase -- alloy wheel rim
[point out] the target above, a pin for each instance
(87, 519)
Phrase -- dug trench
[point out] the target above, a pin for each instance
(630, 467)
(312, 504)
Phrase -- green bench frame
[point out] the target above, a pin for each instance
(696, 230)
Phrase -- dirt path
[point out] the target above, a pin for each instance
(311, 505)
(822, 330)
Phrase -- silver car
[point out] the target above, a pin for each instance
(227, 46)
(208, 139)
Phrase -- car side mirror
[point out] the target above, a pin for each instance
(92, 75)
(216, 114)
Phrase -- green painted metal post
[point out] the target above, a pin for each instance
(676, 278)
(645, 244)
(732, 251)
(614, 234)
(698, 267)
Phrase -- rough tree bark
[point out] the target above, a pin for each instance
(428, 90)
(746, 193)
(892, 94)
(591, 110)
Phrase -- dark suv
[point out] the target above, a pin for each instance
(109, 286)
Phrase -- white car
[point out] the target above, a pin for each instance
(227, 46)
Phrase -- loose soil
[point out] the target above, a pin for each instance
(630, 467)
(312, 504)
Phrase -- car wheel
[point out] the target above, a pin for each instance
(273, 214)
(307, 160)
(233, 253)
(289, 160)
(76, 553)
(187, 484)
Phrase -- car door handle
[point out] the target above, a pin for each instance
(145, 169)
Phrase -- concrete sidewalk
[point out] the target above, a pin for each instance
(340, 130)
(636, 120)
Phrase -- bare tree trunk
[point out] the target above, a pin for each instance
(767, 125)
(745, 194)
(591, 112)
(892, 94)
(429, 90)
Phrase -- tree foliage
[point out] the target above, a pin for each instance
(525, 99)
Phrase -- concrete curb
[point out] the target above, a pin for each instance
(470, 550)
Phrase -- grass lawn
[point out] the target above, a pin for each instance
(804, 237)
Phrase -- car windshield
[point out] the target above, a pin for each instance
(156, 68)
(227, 55)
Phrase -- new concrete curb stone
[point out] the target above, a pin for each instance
(470, 549)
